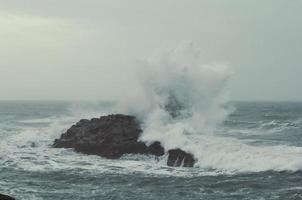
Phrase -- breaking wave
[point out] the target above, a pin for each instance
(181, 103)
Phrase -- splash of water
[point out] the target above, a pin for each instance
(180, 97)
(182, 101)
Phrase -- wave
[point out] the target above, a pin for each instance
(183, 101)
(37, 121)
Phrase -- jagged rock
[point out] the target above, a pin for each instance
(109, 136)
(5, 197)
(179, 158)
(113, 136)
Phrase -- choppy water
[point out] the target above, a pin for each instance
(256, 154)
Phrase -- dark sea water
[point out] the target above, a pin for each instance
(255, 154)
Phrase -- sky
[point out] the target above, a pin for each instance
(86, 49)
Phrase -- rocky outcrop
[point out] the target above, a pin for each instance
(179, 158)
(109, 136)
(113, 136)
(5, 197)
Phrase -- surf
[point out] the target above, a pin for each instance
(183, 101)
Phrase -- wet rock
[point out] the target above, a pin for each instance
(180, 158)
(113, 136)
(109, 136)
(5, 197)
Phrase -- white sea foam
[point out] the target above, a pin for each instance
(37, 121)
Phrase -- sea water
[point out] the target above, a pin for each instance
(256, 153)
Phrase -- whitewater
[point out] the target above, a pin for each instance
(184, 101)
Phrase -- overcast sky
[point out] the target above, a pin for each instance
(86, 49)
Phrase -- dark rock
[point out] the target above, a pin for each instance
(179, 158)
(113, 136)
(109, 136)
(5, 197)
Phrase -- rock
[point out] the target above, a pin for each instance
(113, 136)
(5, 197)
(179, 158)
(109, 136)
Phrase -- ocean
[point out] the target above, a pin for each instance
(255, 153)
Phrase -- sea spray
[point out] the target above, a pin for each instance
(180, 96)
(182, 101)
